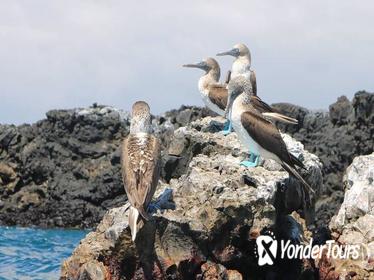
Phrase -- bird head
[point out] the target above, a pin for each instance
(238, 50)
(140, 118)
(208, 64)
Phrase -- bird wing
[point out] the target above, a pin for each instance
(218, 95)
(253, 81)
(141, 161)
(269, 111)
(228, 77)
(260, 105)
(266, 135)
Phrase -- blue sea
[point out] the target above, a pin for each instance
(31, 253)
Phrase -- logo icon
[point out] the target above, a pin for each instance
(266, 249)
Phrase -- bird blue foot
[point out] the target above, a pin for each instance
(153, 207)
(248, 163)
(227, 128)
(251, 162)
(164, 201)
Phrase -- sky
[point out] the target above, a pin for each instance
(68, 54)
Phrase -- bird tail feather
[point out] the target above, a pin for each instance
(297, 162)
(133, 221)
(144, 214)
(280, 117)
(296, 174)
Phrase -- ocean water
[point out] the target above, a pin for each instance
(31, 253)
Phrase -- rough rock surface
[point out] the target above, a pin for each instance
(336, 137)
(355, 220)
(218, 209)
(64, 171)
(359, 192)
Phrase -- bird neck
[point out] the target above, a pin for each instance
(243, 99)
(240, 84)
(241, 65)
(140, 125)
(246, 97)
(211, 77)
(238, 106)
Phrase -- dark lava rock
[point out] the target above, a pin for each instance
(64, 171)
(336, 137)
(340, 111)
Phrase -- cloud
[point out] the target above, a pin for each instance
(64, 54)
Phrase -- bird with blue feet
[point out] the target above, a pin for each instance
(141, 164)
(258, 133)
(213, 93)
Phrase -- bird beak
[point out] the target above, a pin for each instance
(199, 65)
(190, 65)
(232, 52)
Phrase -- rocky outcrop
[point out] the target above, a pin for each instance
(354, 222)
(66, 168)
(216, 209)
(64, 171)
(359, 192)
(336, 137)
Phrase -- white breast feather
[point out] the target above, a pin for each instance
(142, 138)
(205, 96)
(246, 140)
(240, 67)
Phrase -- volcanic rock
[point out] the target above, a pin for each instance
(217, 206)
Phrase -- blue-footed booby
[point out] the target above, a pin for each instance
(213, 93)
(242, 64)
(240, 84)
(141, 161)
(241, 73)
(259, 134)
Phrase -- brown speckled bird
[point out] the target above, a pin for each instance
(141, 157)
